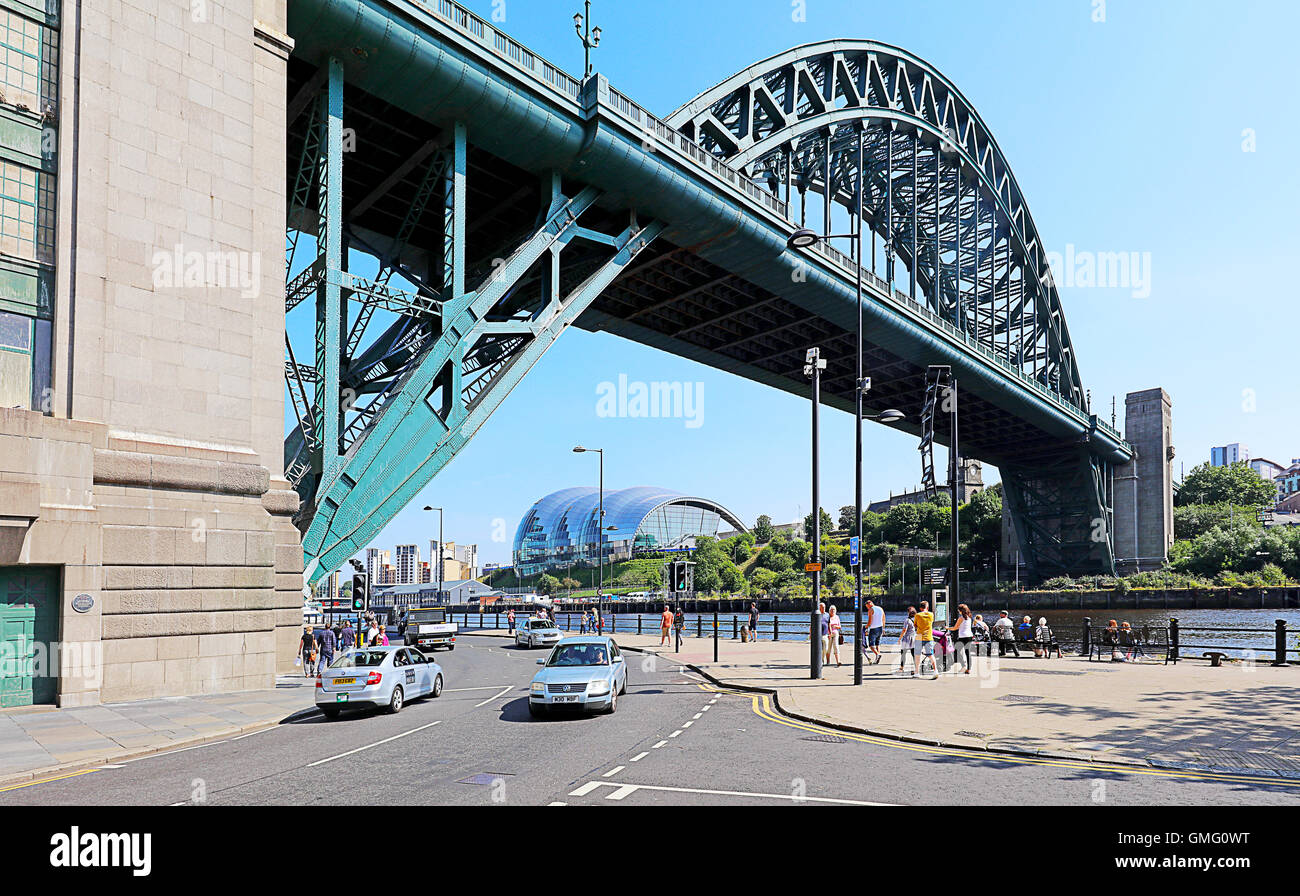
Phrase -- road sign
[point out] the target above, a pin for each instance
(853, 551)
(812, 567)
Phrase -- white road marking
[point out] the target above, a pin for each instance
(613, 771)
(486, 687)
(557, 803)
(696, 716)
(675, 733)
(686, 725)
(639, 756)
(498, 694)
(377, 744)
(658, 745)
(622, 791)
(706, 707)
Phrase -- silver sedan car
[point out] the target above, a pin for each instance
(377, 676)
(584, 673)
(537, 632)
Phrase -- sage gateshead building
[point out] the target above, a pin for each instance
(562, 529)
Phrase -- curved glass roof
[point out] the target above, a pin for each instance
(563, 527)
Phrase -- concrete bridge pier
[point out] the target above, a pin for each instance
(1144, 487)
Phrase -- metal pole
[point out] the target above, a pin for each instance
(954, 463)
(814, 632)
(600, 543)
(857, 436)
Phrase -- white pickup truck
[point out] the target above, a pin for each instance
(427, 628)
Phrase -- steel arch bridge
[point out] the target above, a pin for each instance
(501, 201)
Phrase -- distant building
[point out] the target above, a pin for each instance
(1227, 455)
(387, 575)
(1266, 469)
(376, 560)
(1288, 482)
(425, 575)
(408, 563)
(972, 483)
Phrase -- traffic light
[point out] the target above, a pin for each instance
(360, 593)
(679, 576)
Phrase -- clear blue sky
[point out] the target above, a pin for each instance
(1125, 135)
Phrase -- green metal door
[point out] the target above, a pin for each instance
(29, 625)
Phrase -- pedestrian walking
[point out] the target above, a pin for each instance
(665, 625)
(582, 623)
(833, 626)
(679, 623)
(510, 620)
(347, 636)
(907, 643)
(875, 628)
(307, 648)
(753, 621)
(327, 645)
(964, 629)
(382, 638)
(924, 621)
(372, 634)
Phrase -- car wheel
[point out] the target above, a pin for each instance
(536, 711)
(437, 686)
(395, 701)
(451, 647)
(613, 702)
(330, 712)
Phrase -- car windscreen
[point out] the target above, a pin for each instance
(539, 624)
(360, 659)
(579, 655)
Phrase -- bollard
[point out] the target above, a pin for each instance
(1279, 643)
(1173, 640)
(735, 628)
(1086, 650)
(776, 628)
(699, 625)
(638, 623)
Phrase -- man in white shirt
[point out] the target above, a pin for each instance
(875, 628)
(1005, 633)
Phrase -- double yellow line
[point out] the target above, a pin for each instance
(762, 707)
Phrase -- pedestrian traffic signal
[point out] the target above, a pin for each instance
(679, 576)
(360, 593)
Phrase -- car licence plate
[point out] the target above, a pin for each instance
(570, 698)
(345, 681)
(341, 698)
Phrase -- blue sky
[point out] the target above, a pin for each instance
(1169, 128)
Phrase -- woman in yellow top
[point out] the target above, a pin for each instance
(925, 633)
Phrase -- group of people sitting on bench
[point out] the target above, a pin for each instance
(1010, 637)
(1123, 642)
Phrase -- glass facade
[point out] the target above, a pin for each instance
(29, 42)
(563, 528)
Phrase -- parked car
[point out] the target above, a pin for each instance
(377, 676)
(537, 632)
(585, 673)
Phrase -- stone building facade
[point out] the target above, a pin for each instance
(145, 521)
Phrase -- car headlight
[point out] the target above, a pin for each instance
(596, 688)
(538, 687)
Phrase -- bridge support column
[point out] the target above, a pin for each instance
(1144, 490)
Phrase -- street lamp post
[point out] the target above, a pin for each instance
(590, 36)
(440, 549)
(803, 239)
(813, 368)
(600, 527)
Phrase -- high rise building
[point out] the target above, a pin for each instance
(408, 563)
(425, 575)
(1227, 455)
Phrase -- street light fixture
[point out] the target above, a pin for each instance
(440, 550)
(600, 527)
(590, 37)
(803, 238)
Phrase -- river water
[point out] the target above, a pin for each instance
(1236, 632)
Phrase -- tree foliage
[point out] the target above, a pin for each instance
(1234, 484)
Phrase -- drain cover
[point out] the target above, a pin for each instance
(971, 734)
(484, 778)
(1019, 698)
(827, 739)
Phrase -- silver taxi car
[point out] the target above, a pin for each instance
(537, 632)
(377, 676)
(584, 673)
